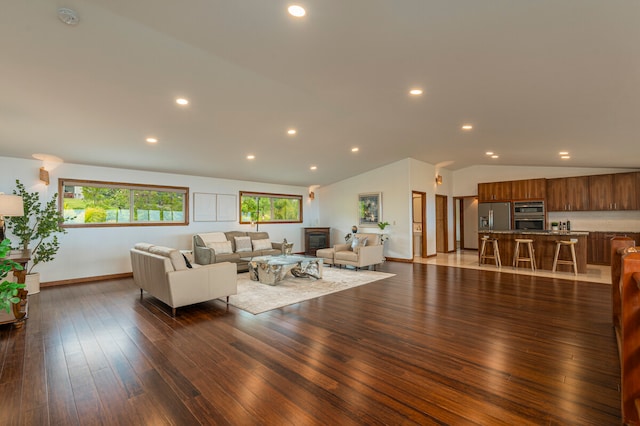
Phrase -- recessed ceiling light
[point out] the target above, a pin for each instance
(495, 156)
(565, 157)
(313, 168)
(182, 101)
(292, 131)
(467, 127)
(489, 152)
(152, 140)
(297, 11)
(415, 92)
(355, 149)
(250, 157)
(563, 153)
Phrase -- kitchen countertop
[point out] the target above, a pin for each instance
(529, 232)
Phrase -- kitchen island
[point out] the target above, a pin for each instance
(544, 245)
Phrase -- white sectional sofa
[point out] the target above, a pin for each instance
(164, 273)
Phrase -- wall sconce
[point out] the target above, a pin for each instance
(312, 195)
(44, 175)
(439, 180)
(10, 205)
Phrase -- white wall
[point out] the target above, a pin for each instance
(88, 252)
(470, 208)
(396, 181)
(339, 206)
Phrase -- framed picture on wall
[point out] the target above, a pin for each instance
(369, 208)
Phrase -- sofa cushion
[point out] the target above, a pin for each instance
(261, 244)
(174, 255)
(143, 246)
(213, 237)
(258, 235)
(243, 244)
(231, 237)
(358, 242)
(230, 257)
(221, 247)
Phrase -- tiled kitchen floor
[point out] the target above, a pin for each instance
(469, 259)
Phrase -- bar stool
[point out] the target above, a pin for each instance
(495, 256)
(556, 261)
(518, 257)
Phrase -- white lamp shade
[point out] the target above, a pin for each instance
(11, 205)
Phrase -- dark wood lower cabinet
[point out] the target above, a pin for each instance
(599, 245)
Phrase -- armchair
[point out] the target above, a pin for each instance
(360, 256)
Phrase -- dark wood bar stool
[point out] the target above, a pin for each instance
(494, 255)
(557, 261)
(519, 257)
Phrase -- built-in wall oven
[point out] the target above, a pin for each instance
(529, 215)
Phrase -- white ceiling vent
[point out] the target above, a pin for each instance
(68, 16)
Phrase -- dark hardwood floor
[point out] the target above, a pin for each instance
(432, 345)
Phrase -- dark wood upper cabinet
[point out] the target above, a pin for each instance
(494, 191)
(613, 191)
(601, 192)
(568, 194)
(625, 191)
(528, 189)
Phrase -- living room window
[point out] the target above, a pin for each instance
(258, 207)
(86, 203)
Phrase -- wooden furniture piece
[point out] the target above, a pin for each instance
(599, 247)
(557, 261)
(545, 246)
(625, 287)
(494, 255)
(494, 191)
(19, 311)
(568, 194)
(529, 189)
(316, 238)
(519, 257)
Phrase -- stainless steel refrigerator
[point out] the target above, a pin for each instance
(494, 216)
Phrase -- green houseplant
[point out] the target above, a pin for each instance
(382, 225)
(8, 289)
(39, 225)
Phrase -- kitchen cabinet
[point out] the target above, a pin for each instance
(613, 192)
(601, 192)
(625, 191)
(528, 189)
(568, 194)
(494, 191)
(599, 245)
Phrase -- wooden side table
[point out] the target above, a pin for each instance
(19, 310)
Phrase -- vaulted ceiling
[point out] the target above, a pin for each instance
(533, 78)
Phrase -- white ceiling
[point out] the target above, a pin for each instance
(533, 76)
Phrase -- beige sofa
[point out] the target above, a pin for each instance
(163, 273)
(371, 253)
(215, 247)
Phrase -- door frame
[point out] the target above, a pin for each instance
(445, 222)
(423, 236)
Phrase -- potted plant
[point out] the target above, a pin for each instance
(382, 225)
(39, 225)
(8, 289)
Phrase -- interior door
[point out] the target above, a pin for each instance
(442, 232)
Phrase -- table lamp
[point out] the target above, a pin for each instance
(10, 205)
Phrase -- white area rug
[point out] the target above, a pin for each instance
(256, 298)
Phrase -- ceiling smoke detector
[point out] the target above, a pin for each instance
(68, 16)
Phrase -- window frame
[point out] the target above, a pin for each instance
(62, 182)
(272, 196)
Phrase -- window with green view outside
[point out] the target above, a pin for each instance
(256, 207)
(92, 203)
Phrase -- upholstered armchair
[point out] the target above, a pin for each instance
(364, 250)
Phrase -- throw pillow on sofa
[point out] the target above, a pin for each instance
(357, 243)
(221, 248)
(261, 245)
(242, 244)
